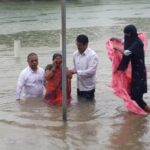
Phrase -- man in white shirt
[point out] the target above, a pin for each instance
(85, 62)
(31, 79)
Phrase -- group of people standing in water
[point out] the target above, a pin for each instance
(33, 79)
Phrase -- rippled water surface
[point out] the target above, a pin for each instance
(102, 125)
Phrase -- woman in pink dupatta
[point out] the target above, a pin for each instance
(129, 84)
(53, 83)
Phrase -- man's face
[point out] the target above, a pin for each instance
(81, 47)
(33, 62)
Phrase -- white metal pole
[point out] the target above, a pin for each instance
(63, 32)
(60, 36)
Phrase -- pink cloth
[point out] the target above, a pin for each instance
(121, 80)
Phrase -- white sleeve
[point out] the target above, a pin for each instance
(20, 84)
(127, 52)
(92, 66)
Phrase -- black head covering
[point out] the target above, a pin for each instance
(133, 35)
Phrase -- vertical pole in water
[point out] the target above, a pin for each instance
(60, 36)
(63, 37)
(17, 47)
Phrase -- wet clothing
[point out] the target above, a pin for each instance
(85, 65)
(138, 97)
(30, 83)
(89, 95)
(53, 87)
(121, 80)
(139, 80)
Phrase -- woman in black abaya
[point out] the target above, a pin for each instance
(134, 52)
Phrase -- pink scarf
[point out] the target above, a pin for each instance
(121, 80)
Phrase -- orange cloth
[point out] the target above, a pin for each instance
(54, 89)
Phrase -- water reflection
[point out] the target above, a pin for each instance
(83, 125)
(84, 111)
(128, 133)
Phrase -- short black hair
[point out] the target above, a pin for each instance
(82, 39)
(31, 54)
(56, 55)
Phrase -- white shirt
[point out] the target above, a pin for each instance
(32, 82)
(85, 65)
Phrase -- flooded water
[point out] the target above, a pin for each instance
(103, 125)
